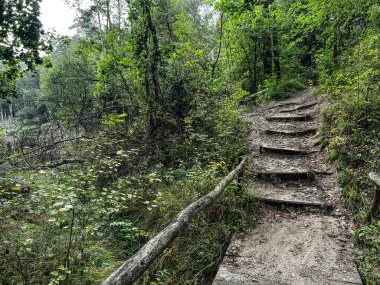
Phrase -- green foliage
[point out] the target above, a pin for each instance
(77, 228)
(68, 87)
(20, 41)
(369, 241)
(351, 131)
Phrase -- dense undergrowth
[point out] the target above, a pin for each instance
(75, 225)
(351, 131)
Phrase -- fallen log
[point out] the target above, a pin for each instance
(134, 267)
(375, 178)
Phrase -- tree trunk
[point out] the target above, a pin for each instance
(108, 12)
(255, 70)
(156, 51)
(267, 54)
(155, 101)
(276, 54)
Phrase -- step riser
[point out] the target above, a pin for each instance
(293, 203)
(304, 107)
(295, 133)
(282, 151)
(284, 176)
(290, 119)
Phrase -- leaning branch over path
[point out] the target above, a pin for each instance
(134, 267)
(375, 178)
(252, 97)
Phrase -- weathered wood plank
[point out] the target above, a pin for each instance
(285, 175)
(375, 178)
(299, 108)
(291, 133)
(291, 202)
(134, 267)
(281, 150)
(278, 118)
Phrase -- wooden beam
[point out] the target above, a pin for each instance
(302, 107)
(281, 150)
(295, 203)
(134, 267)
(285, 175)
(375, 178)
(291, 133)
(281, 105)
(301, 118)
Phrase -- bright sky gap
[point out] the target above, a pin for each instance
(56, 15)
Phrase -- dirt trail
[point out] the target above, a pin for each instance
(301, 234)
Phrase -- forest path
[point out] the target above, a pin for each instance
(301, 234)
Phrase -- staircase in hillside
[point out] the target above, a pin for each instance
(301, 234)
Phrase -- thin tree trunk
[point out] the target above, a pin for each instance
(213, 66)
(108, 14)
(255, 71)
(276, 54)
(10, 112)
(156, 52)
(267, 54)
(154, 63)
(1, 112)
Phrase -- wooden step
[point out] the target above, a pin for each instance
(282, 167)
(299, 108)
(293, 203)
(307, 196)
(285, 118)
(281, 150)
(281, 105)
(291, 132)
(285, 175)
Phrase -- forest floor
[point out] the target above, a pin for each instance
(302, 234)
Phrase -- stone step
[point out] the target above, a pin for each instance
(290, 248)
